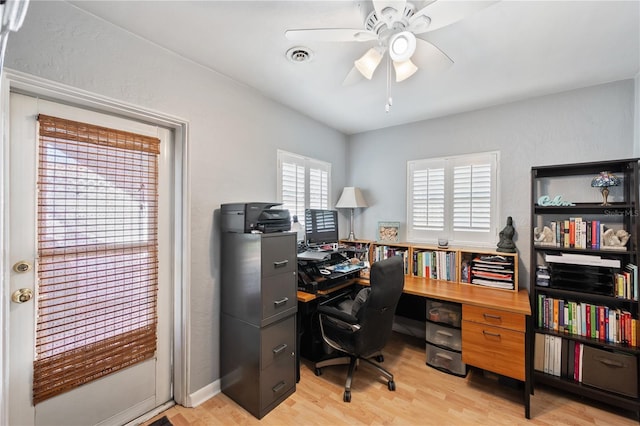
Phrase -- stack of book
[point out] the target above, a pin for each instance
(611, 325)
(385, 252)
(558, 357)
(578, 233)
(492, 271)
(439, 265)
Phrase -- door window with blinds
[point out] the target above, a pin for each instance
(303, 183)
(453, 197)
(97, 253)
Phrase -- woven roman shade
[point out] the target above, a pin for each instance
(97, 253)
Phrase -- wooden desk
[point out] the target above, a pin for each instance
(496, 325)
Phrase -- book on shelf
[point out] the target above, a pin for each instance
(574, 233)
(436, 264)
(598, 322)
(384, 252)
(626, 282)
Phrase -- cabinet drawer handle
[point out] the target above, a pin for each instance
(444, 333)
(278, 303)
(280, 264)
(610, 362)
(441, 355)
(490, 316)
(280, 348)
(487, 333)
(278, 387)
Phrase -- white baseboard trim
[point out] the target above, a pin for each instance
(201, 395)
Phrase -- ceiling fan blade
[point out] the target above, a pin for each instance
(442, 13)
(397, 5)
(353, 77)
(430, 58)
(331, 34)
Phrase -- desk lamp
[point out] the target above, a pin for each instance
(351, 198)
(604, 180)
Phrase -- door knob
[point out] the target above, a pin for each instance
(22, 295)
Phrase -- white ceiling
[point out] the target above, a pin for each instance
(509, 51)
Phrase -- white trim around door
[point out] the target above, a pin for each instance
(15, 81)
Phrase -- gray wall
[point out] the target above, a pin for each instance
(234, 134)
(582, 125)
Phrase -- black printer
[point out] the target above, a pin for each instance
(254, 217)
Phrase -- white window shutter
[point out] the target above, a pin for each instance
(303, 183)
(428, 199)
(453, 197)
(472, 198)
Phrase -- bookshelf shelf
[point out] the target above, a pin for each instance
(585, 297)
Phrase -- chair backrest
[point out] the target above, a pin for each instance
(377, 312)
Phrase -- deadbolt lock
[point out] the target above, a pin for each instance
(22, 295)
(22, 266)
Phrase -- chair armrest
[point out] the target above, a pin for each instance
(333, 312)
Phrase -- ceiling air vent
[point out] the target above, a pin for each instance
(299, 54)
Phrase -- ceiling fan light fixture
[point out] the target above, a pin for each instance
(368, 63)
(404, 69)
(402, 46)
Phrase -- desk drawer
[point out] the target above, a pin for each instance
(494, 349)
(494, 317)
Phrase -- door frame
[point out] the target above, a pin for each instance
(19, 82)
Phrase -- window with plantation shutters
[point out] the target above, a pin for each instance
(97, 253)
(472, 197)
(303, 183)
(454, 198)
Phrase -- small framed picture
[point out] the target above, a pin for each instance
(388, 232)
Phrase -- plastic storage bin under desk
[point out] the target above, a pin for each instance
(448, 361)
(444, 312)
(444, 336)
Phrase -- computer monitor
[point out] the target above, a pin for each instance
(321, 226)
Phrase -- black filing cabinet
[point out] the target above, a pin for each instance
(258, 319)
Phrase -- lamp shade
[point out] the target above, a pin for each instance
(368, 63)
(605, 179)
(351, 198)
(404, 69)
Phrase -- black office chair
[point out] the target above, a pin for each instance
(362, 329)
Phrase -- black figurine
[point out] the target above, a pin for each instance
(506, 244)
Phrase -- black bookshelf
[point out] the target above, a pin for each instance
(577, 289)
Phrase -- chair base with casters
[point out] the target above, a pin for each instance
(353, 362)
(359, 330)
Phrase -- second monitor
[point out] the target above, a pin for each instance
(321, 226)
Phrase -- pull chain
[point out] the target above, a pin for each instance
(387, 106)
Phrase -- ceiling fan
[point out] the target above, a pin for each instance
(399, 28)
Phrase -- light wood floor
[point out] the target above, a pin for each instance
(424, 396)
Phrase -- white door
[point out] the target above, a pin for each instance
(118, 397)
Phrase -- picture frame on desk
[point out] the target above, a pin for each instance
(388, 232)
